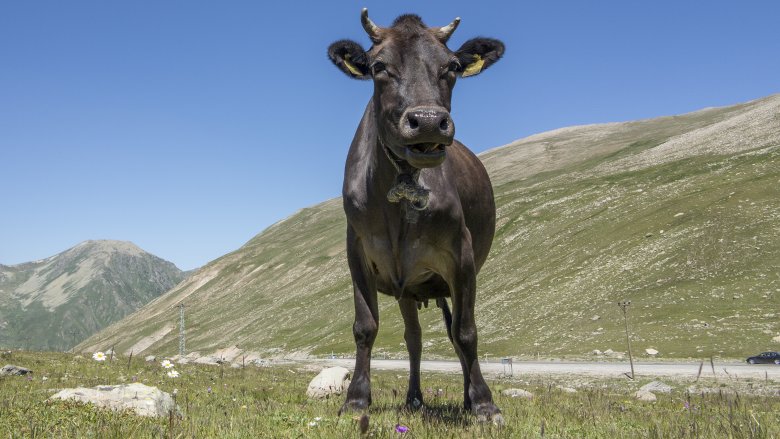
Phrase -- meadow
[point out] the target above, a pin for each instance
(270, 402)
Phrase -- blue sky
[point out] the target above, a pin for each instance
(189, 127)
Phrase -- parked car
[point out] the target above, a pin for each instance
(766, 357)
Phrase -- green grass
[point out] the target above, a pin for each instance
(270, 402)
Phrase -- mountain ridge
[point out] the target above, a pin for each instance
(48, 302)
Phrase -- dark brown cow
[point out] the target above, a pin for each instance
(419, 204)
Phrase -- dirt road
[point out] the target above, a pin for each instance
(562, 368)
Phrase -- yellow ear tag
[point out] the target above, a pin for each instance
(475, 67)
(352, 69)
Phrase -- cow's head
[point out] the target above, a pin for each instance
(414, 73)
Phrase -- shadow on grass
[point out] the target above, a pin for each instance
(451, 414)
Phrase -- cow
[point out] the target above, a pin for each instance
(419, 205)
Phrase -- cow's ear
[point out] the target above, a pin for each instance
(477, 54)
(350, 58)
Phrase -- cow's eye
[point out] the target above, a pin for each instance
(378, 67)
(454, 66)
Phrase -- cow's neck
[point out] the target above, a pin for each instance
(400, 182)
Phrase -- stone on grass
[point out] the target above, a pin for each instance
(10, 369)
(208, 360)
(140, 399)
(567, 389)
(330, 381)
(651, 351)
(150, 358)
(657, 386)
(517, 393)
(644, 395)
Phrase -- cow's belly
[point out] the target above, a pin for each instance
(413, 268)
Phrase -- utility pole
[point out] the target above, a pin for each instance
(181, 330)
(623, 307)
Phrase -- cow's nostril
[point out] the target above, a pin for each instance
(444, 124)
(413, 124)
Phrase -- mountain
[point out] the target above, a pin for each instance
(680, 215)
(53, 303)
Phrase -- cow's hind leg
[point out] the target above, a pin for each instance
(364, 329)
(413, 338)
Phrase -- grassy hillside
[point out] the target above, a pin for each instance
(680, 215)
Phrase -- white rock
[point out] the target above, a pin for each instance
(651, 351)
(644, 395)
(609, 352)
(517, 393)
(208, 359)
(141, 399)
(656, 386)
(330, 381)
(150, 358)
(567, 389)
(10, 369)
(776, 339)
(596, 352)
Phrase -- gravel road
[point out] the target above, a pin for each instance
(495, 368)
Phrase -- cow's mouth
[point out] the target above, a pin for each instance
(427, 148)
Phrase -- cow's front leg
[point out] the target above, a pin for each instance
(365, 327)
(413, 338)
(477, 395)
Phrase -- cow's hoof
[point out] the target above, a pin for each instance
(413, 404)
(353, 405)
(488, 412)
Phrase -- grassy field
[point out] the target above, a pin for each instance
(256, 402)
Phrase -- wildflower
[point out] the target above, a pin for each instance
(318, 418)
(312, 424)
(401, 428)
(167, 364)
(173, 374)
(208, 390)
(99, 356)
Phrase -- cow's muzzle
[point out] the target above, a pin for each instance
(425, 132)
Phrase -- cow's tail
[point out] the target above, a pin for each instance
(441, 302)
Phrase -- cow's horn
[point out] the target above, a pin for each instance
(373, 31)
(444, 33)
